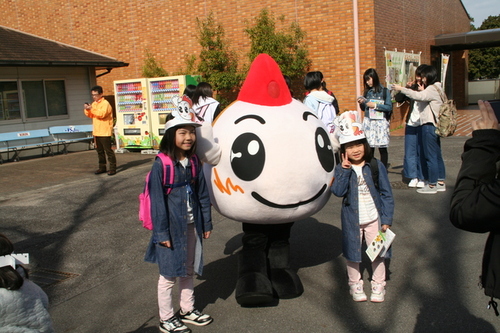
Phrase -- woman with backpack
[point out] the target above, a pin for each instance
(377, 104)
(429, 102)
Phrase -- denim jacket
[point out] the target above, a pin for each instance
(384, 107)
(345, 185)
(170, 218)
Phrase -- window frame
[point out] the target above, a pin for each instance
(22, 105)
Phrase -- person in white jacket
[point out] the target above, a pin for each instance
(23, 304)
(318, 100)
(428, 102)
(204, 105)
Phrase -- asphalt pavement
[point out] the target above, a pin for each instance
(87, 245)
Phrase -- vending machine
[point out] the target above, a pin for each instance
(161, 90)
(133, 124)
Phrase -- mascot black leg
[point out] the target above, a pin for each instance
(285, 281)
(253, 287)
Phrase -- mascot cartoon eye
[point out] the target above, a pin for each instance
(324, 150)
(247, 156)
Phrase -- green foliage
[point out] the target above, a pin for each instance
(485, 63)
(286, 46)
(218, 63)
(190, 69)
(152, 68)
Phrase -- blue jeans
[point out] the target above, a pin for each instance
(412, 166)
(434, 168)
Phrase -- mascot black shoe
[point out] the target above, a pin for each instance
(253, 287)
(269, 161)
(286, 282)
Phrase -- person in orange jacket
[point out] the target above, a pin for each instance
(102, 119)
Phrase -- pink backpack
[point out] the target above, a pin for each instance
(144, 197)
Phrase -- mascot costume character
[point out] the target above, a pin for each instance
(269, 162)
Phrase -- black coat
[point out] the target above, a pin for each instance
(475, 204)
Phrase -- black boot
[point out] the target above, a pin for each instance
(253, 287)
(285, 281)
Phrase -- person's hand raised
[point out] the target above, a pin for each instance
(488, 119)
(346, 164)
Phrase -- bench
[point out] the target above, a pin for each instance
(15, 142)
(69, 134)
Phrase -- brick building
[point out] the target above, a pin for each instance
(125, 30)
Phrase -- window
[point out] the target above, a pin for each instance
(9, 101)
(41, 99)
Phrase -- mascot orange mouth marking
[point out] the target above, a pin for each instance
(229, 184)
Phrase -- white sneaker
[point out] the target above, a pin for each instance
(427, 189)
(413, 182)
(356, 290)
(441, 187)
(378, 293)
(420, 184)
(173, 325)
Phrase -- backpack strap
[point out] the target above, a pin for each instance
(444, 99)
(167, 170)
(203, 110)
(194, 165)
(375, 172)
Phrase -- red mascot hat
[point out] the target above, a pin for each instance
(265, 84)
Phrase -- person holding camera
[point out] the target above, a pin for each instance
(101, 113)
(475, 203)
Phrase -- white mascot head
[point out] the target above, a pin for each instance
(276, 159)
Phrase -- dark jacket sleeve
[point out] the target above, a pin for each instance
(204, 199)
(475, 203)
(386, 198)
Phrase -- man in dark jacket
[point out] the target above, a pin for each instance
(475, 204)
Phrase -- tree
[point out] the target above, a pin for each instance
(286, 46)
(218, 63)
(485, 63)
(151, 67)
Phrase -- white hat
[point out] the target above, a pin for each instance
(348, 127)
(184, 114)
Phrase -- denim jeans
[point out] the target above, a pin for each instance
(412, 165)
(434, 168)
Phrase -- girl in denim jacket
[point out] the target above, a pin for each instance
(180, 220)
(366, 208)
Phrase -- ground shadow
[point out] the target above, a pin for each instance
(312, 243)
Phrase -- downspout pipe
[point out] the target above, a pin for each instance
(356, 53)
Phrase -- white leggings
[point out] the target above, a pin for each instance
(186, 283)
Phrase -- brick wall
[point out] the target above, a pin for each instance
(125, 29)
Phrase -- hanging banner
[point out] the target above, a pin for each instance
(444, 67)
(394, 62)
(412, 61)
(400, 67)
